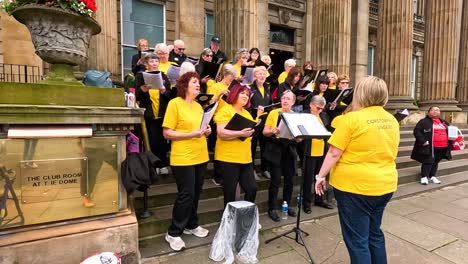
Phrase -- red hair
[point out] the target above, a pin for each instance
(183, 82)
(234, 94)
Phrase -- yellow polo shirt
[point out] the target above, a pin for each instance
(182, 116)
(369, 140)
(235, 150)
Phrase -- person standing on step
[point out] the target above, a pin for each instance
(188, 158)
(361, 157)
(281, 155)
(431, 145)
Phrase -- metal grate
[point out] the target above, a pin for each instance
(20, 73)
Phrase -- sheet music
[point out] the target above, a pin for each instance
(284, 131)
(154, 80)
(208, 115)
(309, 123)
(248, 76)
(343, 94)
(173, 74)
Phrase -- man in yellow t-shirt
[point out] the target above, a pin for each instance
(361, 157)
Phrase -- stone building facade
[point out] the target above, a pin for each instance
(418, 46)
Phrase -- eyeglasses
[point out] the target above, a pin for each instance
(319, 108)
(182, 49)
(209, 55)
(344, 82)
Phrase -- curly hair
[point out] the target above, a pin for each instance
(183, 82)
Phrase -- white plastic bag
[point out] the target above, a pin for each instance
(237, 234)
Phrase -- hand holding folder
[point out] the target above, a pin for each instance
(239, 123)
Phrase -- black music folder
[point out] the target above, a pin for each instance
(401, 115)
(268, 108)
(203, 98)
(244, 68)
(210, 69)
(302, 92)
(238, 122)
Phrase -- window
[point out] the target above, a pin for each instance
(281, 35)
(209, 29)
(140, 19)
(370, 60)
(413, 76)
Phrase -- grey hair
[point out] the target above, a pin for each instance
(289, 91)
(239, 54)
(229, 69)
(186, 67)
(318, 100)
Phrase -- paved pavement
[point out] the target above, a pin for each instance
(431, 227)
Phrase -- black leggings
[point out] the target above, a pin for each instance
(430, 169)
(234, 173)
(189, 180)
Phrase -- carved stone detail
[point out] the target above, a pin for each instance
(59, 36)
(285, 16)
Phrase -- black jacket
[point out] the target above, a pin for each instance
(257, 99)
(145, 100)
(137, 68)
(177, 58)
(423, 132)
(139, 171)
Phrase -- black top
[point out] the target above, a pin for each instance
(137, 68)
(177, 58)
(257, 99)
(423, 132)
(219, 55)
(145, 100)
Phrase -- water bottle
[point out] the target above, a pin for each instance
(131, 99)
(284, 211)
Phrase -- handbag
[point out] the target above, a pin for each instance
(459, 142)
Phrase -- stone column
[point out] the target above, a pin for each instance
(103, 49)
(442, 42)
(191, 25)
(332, 35)
(394, 51)
(263, 27)
(359, 40)
(308, 33)
(462, 92)
(236, 22)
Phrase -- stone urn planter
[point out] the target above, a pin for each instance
(60, 37)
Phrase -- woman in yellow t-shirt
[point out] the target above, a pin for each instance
(314, 153)
(232, 149)
(281, 155)
(188, 159)
(361, 157)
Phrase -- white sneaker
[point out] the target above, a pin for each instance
(198, 232)
(164, 170)
(176, 243)
(267, 174)
(434, 179)
(424, 181)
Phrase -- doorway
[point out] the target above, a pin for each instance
(278, 57)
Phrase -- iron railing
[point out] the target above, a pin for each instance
(20, 73)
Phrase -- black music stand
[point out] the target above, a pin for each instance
(303, 126)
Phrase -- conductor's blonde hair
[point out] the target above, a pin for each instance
(370, 91)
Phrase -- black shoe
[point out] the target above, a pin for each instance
(291, 212)
(307, 210)
(325, 205)
(273, 215)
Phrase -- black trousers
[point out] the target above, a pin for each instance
(312, 168)
(261, 139)
(189, 180)
(159, 145)
(430, 169)
(234, 173)
(286, 169)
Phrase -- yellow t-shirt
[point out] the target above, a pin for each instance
(369, 139)
(261, 90)
(336, 121)
(216, 89)
(332, 87)
(317, 145)
(282, 77)
(235, 150)
(154, 97)
(182, 116)
(238, 69)
(163, 67)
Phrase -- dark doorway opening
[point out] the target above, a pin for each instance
(278, 57)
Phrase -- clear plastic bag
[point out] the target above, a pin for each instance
(237, 234)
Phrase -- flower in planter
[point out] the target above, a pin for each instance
(83, 7)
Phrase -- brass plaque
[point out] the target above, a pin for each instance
(54, 179)
(49, 180)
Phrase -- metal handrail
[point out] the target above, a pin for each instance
(20, 73)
